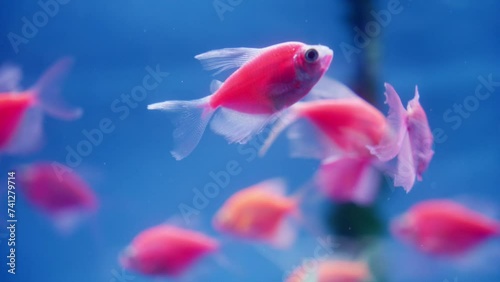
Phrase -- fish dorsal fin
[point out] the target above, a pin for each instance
(275, 186)
(215, 85)
(10, 76)
(228, 58)
(329, 88)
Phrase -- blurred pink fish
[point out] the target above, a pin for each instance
(166, 250)
(21, 112)
(260, 212)
(58, 192)
(353, 138)
(268, 81)
(332, 271)
(444, 228)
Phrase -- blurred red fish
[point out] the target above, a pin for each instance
(444, 228)
(57, 191)
(21, 112)
(354, 139)
(166, 250)
(332, 271)
(260, 212)
(268, 81)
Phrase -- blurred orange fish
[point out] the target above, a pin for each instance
(444, 228)
(21, 112)
(260, 212)
(332, 271)
(57, 191)
(166, 250)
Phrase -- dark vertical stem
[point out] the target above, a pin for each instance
(367, 64)
(350, 220)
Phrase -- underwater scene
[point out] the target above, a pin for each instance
(254, 141)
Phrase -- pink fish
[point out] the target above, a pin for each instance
(260, 212)
(57, 191)
(354, 140)
(444, 228)
(21, 112)
(166, 250)
(332, 271)
(267, 81)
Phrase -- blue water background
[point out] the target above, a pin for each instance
(443, 46)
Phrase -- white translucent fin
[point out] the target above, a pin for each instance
(405, 173)
(282, 122)
(225, 59)
(215, 85)
(29, 134)
(276, 186)
(47, 90)
(238, 127)
(306, 141)
(10, 77)
(367, 187)
(190, 123)
(67, 222)
(329, 88)
(285, 235)
(390, 145)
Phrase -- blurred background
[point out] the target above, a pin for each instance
(444, 47)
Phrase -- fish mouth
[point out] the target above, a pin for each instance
(326, 55)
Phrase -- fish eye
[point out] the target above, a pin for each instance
(311, 55)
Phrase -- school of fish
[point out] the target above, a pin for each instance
(282, 87)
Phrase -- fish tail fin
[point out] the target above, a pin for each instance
(391, 143)
(413, 141)
(190, 123)
(47, 91)
(408, 137)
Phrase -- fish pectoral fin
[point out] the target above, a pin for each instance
(238, 127)
(307, 141)
(228, 58)
(285, 234)
(10, 76)
(329, 88)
